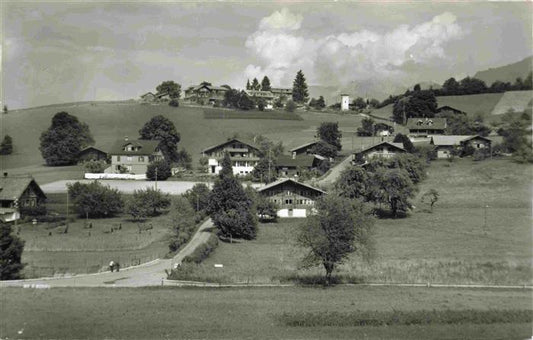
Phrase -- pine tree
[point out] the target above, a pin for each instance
(265, 84)
(255, 85)
(299, 88)
(248, 87)
(230, 208)
(6, 147)
(11, 248)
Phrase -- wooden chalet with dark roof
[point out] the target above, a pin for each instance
(304, 149)
(18, 192)
(294, 199)
(380, 150)
(205, 93)
(424, 127)
(133, 156)
(446, 145)
(91, 153)
(288, 166)
(244, 156)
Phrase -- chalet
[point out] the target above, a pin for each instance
(304, 149)
(133, 156)
(267, 96)
(282, 92)
(205, 93)
(148, 97)
(446, 145)
(16, 193)
(380, 150)
(447, 108)
(244, 156)
(294, 199)
(291, 166)
(91, 153)
(424, 127)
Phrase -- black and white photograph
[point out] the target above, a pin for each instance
(266, 170)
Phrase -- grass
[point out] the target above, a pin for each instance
(473, 104)
(250, 114)
(109, 121)
(452, 245)
(155, 313)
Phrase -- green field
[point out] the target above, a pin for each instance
(451, 245)
(111, 121)
(251, 114)
(157, 313)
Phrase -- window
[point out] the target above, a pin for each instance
(141, 159)
(118, 158)
(130, 158)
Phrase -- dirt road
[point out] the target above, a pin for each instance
(148, 274)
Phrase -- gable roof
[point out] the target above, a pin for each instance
(449, 108)
(279, 182)
(454, 139)
(303, 146)
(396, 146)
(147, 94)
(426, 123)
(262, 94)
(305, 161)
(14, 187)
(92, 147)
(221, 145)
(148, 147)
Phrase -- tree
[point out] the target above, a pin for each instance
(458, 124)
(266, 209)
(174, 103)
(184, 159)
(182, 222)
(161, 128)
(352, 183)
(417, 104)
(265, 170)
(95, 199)
(6, 147)
(406, 142)
(248, 86)
(95, 166)
(231, 98)
(472, 86)
(367, 127)
(450, 86)
(158, 170)
(170, 87)
(412, 164)
(320, 103)
(417, 88)
(11, 248)
(255, 85)
(5, 109)
(299, 88)
(359, 103)
(324, 149)
(62, 142)
(340, 227)
(245, 102)
(430, 197)
(396, 189)
(329, 132)
(290, 106)
(198, 196)
(147, 202)
(230, 208)
(265, 84)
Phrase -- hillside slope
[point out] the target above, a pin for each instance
(507, 73)
(517, 101)
(472, 104)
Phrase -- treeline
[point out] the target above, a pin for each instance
(466, 86)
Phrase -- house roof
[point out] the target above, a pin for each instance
(89, 148)
(397, 146)
(305, 161)
(426, 123)
(262, 94)
(449, 108)
(280, 90)
(148, 147)
(209, 87)
(454, 139)
(282, 181)
(306, 145)
(147, 94)
(221, 145)
(13, 187)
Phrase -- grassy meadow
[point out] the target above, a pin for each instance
(452, 245)
(261, 313)
(111, 121)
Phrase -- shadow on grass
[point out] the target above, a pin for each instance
(318, 280)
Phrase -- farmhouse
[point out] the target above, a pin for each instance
(304, 149)
(18, 192)
(446, 145)
(380, 150)
(294, 199)
(244, 156)
(150, 97)
(91, 153)
(133, 156)
(205, 93)
(289, 166)
(266, 95)
(424, 127)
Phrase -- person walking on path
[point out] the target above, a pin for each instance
(111, 266)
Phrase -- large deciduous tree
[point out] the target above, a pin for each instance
(158, 170)
(182, 222)
(230, 208)
(418, 104)
(329, 132)
(340, 227)
(147, 202)
(161, 128)
(11, 248)
(172, 88)
(396, 189)
(299, 88)
(95, 199)
(62, 142)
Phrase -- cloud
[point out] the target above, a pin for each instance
(282, 49)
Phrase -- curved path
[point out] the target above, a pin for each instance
(147, 274)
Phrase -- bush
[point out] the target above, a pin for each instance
(95, 199)
(163, 171)
(174, 103)
(95, 166)
(203, 250)
(479, 155)
(39, 210)
(290, 106)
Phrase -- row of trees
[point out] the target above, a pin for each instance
(255, 85)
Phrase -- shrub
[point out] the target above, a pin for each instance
(163, 171)
(290, 106)
(95, 199)
(174, 103)
(479, 155)
(95, 166)
(39, 210)
(203, 250)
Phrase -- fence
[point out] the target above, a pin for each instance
(89, 175)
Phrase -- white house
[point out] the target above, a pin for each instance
(244, 156)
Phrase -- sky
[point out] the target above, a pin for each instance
(65, 52)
